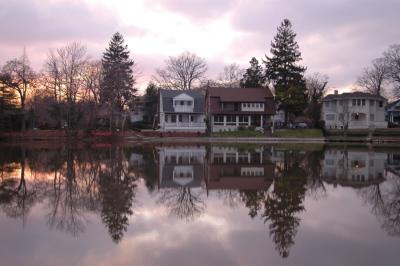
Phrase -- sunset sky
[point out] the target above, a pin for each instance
(337, 38)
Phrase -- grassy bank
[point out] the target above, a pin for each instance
(298, 133)
(239, 133)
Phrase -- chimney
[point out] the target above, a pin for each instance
(336, 92)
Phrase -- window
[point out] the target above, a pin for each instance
(243, 119)
(356, 116)
(180, 118)
(380, 103)
(176, 103)
(231, 119)
(189, 103)
(173, 118)
(354, 102)
(358, 102)
(371, 102)
(182, 102)
(363, 102)
(330, 117)
(218, 120)
(191, 118)
(372, 117)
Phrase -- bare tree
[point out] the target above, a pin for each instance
(372, 79)
(66, 68)
(92, 78)
(181, 72)
(231, 75)
(392, 61)
(316, 85)
(19, 76)
(52, 75)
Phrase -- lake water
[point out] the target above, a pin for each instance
(211, 204)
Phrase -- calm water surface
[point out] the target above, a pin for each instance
(208, 204)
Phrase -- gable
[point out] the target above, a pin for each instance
(184, 97)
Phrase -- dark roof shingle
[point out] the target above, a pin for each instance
(240, 94)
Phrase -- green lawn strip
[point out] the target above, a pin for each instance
(239, 133)
(298, 133)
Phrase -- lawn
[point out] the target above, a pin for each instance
(298, 133)
(239, 133)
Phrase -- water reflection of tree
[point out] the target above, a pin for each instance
(117, 194)
(281, 207)
(15, 197)
(72, 195)
(384, 199)
(183, 202)
(83, 181)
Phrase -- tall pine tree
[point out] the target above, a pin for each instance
(117, 86)
(254, 76)
(283, 72)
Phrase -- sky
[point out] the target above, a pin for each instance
(336, 38)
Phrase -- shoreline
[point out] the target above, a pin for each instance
(154, 137)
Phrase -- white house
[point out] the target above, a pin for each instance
(354, 110)
(181, 111)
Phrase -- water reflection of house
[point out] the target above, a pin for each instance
(181, 166)
(230, 168)
(353, 168)
(393, 163)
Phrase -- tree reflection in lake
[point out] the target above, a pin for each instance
(270, 182)
(117, 191)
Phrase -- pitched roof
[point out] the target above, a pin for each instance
(392, 104)
(240, 94)
(349, 95)
(168, 95)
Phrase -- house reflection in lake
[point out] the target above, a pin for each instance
(355, 168)
(181, 166)
(232, 168)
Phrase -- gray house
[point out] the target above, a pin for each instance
(181, 111)
(393, 113)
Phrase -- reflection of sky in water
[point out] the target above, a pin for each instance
(336, 228)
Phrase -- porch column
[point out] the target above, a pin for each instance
(177, 120)
(224, 120)
(237, 121)
(249, 157)
(190, 120)
(237, 157)
(261, 123)
(249, 122)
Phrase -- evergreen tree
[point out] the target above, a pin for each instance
(253, 77)
(117, 86)
(150, 107)
(283, 72)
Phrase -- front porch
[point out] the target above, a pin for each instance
(183, 123)
(233, 122)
